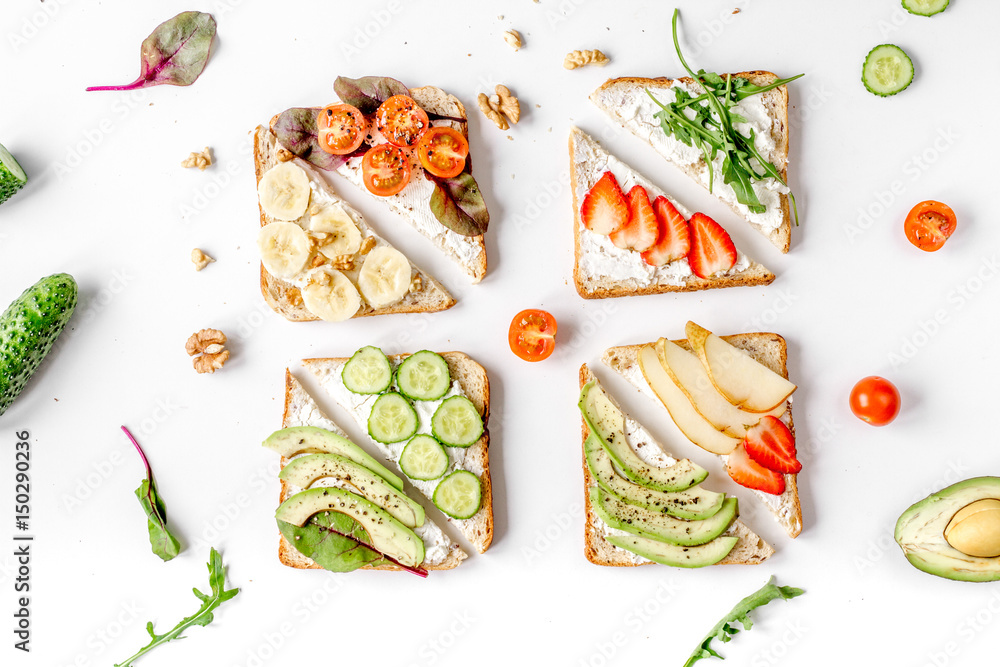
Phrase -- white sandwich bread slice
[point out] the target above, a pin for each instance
(770, 350)
(603, 270)
(441, 553)
(468, 379)
(320, 260)
(749, 549)
(412, 204)
(626, 101)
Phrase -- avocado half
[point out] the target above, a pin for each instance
(920, 532)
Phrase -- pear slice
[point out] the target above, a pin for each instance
(692, 379)
(741, 379)
(697, 429)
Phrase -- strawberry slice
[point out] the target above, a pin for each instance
(642, 229)
(712, 251)
(746, 472)
(675, 238)
(772, 445)
(604, 209)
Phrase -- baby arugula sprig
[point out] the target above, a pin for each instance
(163, 542)
(712, 128)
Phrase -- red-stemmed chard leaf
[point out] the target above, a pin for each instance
(162, 541)
(175, 53)
(297, 132)
(368, 92)
(458, 204)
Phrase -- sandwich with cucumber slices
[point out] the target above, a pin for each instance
(426, 413)
(340, 508)
(645, 506)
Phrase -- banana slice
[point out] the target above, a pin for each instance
(331, 296)
(384, 277)
(345, 237)
(284, 191)
(284, 248)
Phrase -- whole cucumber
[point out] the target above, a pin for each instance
(29, 327)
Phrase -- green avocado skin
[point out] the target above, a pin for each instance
(28, 329)
(920, 532)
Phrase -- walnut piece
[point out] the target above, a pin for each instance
(513, 37)
(284, 155)
(416, 284)
(509, 106)
(576, 59)
(343, 262)
(200, 259)
(208, 349)
(492, 112)
(367, 246)
(318, 260)
(201, 160)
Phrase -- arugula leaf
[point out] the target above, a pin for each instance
(204, 616)
(175, 53)
(369, 92)
(707, 122)
(725, 629)
(296, 130)
(164, 544)
(458, 204)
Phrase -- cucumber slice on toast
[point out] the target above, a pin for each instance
(423, 376)
(12, 176)
(456, 422)
(887, 70)
(423, 458)
(925, 7)
(459, 495)
(367, 372)
(393, 419)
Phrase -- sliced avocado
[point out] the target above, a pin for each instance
(639, 521)
(607, 421)
(387, 535)
(694, 503)
(676, 556)
(305, 470)
(920, 532)
(289, 442)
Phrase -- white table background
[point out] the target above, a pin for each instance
(108, 203)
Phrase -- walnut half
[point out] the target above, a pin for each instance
(208, 349)
(200, 160)
(576, 59)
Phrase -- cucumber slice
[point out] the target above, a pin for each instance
(925, 7)
(367, 372)
(887, 70)
(423, 376)
(423, 458)
(12, 177)
(459, 495)
(393, 419)
(457, 423)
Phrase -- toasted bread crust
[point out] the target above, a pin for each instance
(292, 557)
(776, 101)
(475, 384)
(769, 349)
(607, 287)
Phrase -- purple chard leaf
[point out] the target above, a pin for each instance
(163, 542)
(296, 131)
(175, 53)
(458, 204)
(368, 92)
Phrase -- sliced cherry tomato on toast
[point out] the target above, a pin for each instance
(341, 128)
(929, 224)
(532, 335)
(442, 151)
(875, 400)
(401, 121)
(386, 170)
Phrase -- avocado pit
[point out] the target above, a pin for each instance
(975, 529)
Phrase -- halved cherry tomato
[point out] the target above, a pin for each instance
(532, 335)
(929, 225)
(386, 170)
(442, 151)
(401, 121)
(341, 128)
(875, 400)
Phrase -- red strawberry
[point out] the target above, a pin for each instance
(642, 229)
(772, 445)
(712, 250)
(604, 209)
(675, 239)
(746, 472)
